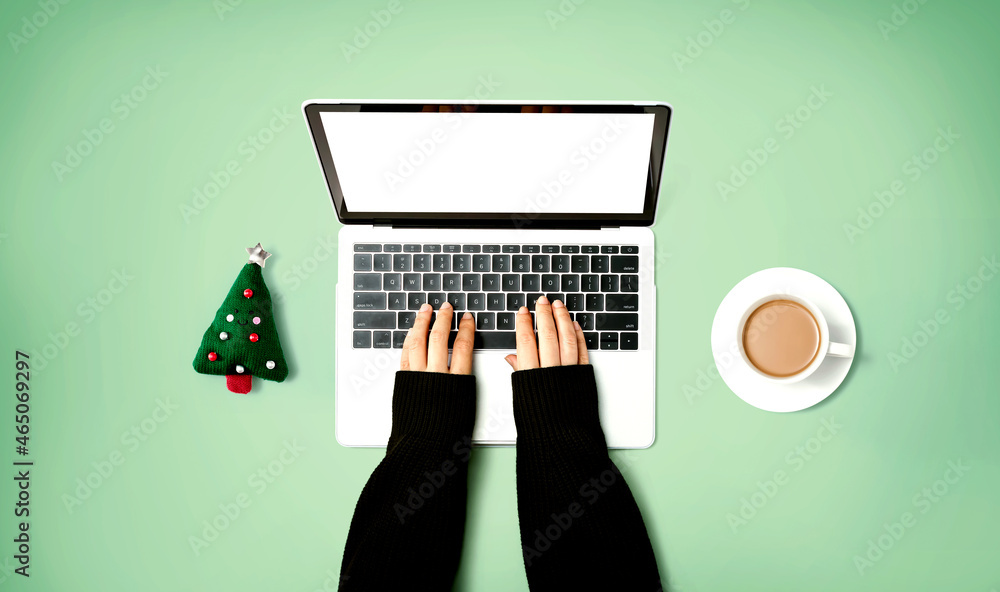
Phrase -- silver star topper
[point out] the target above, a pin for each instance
(257, 255)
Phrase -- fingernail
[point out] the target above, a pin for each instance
(467, 316)
(445, 305)
(542, 300)
(557, 304)
(425, 307)
(577, 325)
(522, 310)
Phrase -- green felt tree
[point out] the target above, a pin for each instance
(243, 340)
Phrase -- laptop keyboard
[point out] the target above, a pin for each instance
(598, 283)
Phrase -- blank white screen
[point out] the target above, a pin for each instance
(491, 162)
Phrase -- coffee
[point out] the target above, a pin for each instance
(781, 338)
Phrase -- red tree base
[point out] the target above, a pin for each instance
(238, 383)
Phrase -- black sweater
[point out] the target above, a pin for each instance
(580, 525)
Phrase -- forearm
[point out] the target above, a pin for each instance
(579, 522)
(408, 525)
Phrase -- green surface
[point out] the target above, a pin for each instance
(107, 254)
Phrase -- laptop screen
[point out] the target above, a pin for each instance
(496, 163)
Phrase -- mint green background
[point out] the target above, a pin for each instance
(61, 242)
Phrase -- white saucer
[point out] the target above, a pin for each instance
(757, 390)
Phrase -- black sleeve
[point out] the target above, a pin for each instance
(408, 525)
(580, 525)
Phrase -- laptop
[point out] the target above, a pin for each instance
(489, 205)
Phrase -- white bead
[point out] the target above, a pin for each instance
(229, 318)
(239, 369)
(223, 336)
(270, 364)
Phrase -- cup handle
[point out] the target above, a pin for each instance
(840, 350)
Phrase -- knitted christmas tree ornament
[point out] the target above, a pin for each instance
(242, 340)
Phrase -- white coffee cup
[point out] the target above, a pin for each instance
(826, 347)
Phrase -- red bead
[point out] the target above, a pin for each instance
(248, 293)
(254, 337)
(212, 357)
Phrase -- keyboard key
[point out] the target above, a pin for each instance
(432, 248)
(591, 283)
(609, 283)
(560, 263)
(609, 341)
(436, 299)
(495, 340)
(491, 282)
(368, 281)
(369, 301)
(374, 320)
(397, 301)
(476, 300)
(461, 262)
(398, 337)
(629, 341)
(630, 250)
(574, 302)
(625, 264)
(530, 249)
(590, 249)
(530, 282)
(496, 301)
(411, 248)
(511, 282)
(510, 249)
(405, 320)
(485, 321)
(521, 263)
(622, 321)
(554, 296)
(505, 321)
(621, 302)
(470, 248)
(599, 264)
(550, 248)
(366, 248)
(592, 339)
(586, 320)
(457, 301)
(531, 298)
(411, 281)
(421, 262)
(471, 282)
(609, 249)
(480, 263)
(570, 249)
(382, 262)
(595, 301)
(630, 283)
(452, 282)
(491, 248)
(395, 248)
(401, 262)
(515, 301)
(363, 262)
(362, 339)
(415, 299)
(382, 339)
(580, 264)
(550, 281)
(540, 263)
(451, 248)
(570, 283)
(442, 262)
(432, 281)
(501, 262)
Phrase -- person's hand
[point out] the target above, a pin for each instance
(429, 353)
(560, 340)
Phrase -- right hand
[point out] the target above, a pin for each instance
(560, 340)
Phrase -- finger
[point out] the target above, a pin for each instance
(569, 353)
(437, 342)
(512, 360)
(417, 351)
(581, 344)
(527, 347)
(548, 339)
(404, 358)
(461, 351)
